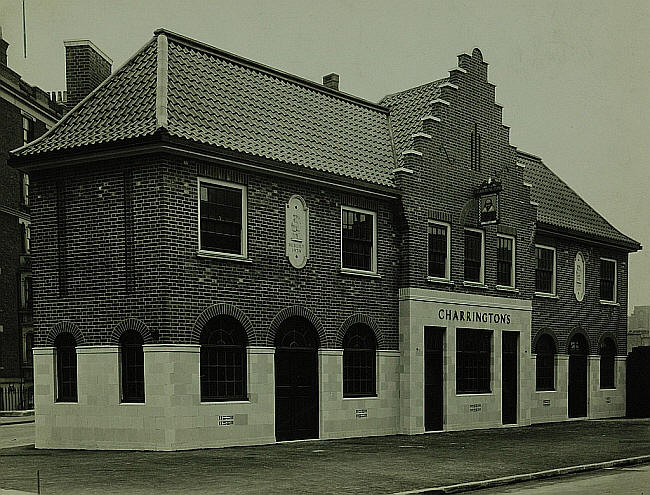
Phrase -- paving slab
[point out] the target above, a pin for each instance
(381, 465)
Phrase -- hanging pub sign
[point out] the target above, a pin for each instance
(488, 202)
(297, 231)
(579, 277)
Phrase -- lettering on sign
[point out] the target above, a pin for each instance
(475, 407)
(474, 316)
(226, 420)
(579, 277)
(361, 413)
(297, 231)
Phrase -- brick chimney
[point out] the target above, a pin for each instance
(331, 81)
(86, 66)
(3, 49)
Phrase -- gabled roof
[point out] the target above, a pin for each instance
(203, 95)
(407, 109)
(561, 207)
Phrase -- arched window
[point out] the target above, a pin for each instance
(545, 351)
(66, 367)
(223, 360)
(607, 363)
(359, 362)
(132, 366)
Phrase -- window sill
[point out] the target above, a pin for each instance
(546, 295)
(132, 403)
(66, 402)
(223, 256)
(225, 402)
(505, 288)
(477, 285)
(545, 391)
(608, 388)
(359, 273)
(609, 303)
(437, 280)
(473, 394)
(362, 397)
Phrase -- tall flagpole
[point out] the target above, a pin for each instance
(24, 33)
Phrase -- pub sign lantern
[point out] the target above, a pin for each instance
(488, 202)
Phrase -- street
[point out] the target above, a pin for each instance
(633, 480)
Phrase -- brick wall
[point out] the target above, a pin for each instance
(85, 69)
(172, 284)
(565, 313)
(442, 190)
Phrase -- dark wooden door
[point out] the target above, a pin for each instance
(578, 377)
(296, 381)
(433, 378)
(509, 359)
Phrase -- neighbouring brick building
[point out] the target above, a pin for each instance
(226, 254)
(26, 112)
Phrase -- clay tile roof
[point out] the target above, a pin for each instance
(407, 109)
(222, 100)
(560, 206)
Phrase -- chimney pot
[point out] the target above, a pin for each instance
(331, 81)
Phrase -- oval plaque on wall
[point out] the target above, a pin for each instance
(297, 221)
(579, 277)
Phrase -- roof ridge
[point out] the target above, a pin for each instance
(257, 66)
(435, 83)
(541, 162)
(74, 109)
(162, 80)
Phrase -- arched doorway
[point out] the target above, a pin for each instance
(578, 350)
(296, 380)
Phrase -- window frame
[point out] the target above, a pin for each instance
(447, 227)
(478, 354)
(31, 129)
(481, 280)
(371, 365)
(59, 374)
(553, 292)
(24, 189)
(243, 251)
(213, 364)
(26, 247)
(26, 291)
(600, 279)
(513, 281)
(28, 352)
(373, 253)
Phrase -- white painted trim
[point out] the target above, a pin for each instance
(534, 203)
(440, 100)
(97, 349)
(431, 117)
(459, 69)
(471, 300)
(411, 152)
(547, 296)
(359, 273)
(223, 256)
(448, 85)
(513, 270)
(437, 280)
(481, 280)
(506, 289)
(527, 184)
(520, 164)
(189, 348)
(373, 260)
(243, 254)
(447, 276)
(421, 134)
(554, 279)
(403, 169)
(607, 301)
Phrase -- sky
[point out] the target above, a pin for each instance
(573, 77)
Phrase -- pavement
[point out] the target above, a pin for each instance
(382, 465)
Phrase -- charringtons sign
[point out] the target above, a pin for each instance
(474, 316)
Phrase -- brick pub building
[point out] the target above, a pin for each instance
(226, 254)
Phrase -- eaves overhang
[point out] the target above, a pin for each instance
(549, 229)
(162, 142)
